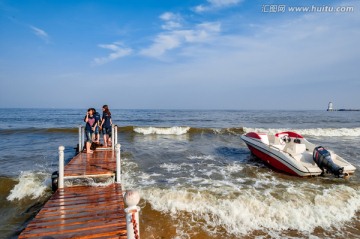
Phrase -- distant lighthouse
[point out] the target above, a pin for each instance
(330, 107)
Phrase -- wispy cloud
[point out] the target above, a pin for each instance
(118, 51)
(40, 33)
(175, 38)
(171, 21)
(162, 43)
(215, 4)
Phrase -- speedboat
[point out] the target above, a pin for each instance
(293, 154)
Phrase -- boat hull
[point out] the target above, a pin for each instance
(272, 161)
(278, 159)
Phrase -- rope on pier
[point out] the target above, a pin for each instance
(133, 221)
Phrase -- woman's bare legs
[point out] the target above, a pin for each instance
(106, 139)
(88, 146)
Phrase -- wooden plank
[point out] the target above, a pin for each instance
(77, 219)
(101, 215)
(100, 162)
(79, 213)
(83, 211)
(78, 232)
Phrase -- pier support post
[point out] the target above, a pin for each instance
(132, 198)
(61, 167)
(118, 163)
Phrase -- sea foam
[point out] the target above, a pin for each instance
(30, 184)
(176, 130)
(251, 210)
(330, 132)
(201, 157)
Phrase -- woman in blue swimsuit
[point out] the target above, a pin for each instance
(106, 124)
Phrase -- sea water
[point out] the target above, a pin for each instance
(196, 177)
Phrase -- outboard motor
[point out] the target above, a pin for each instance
(323, 159)
(54, 181)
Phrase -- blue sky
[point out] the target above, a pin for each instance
(209, 54)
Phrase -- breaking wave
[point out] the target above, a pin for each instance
(31, 184)
(180, 130)
(162, 131)
(252, 210)
(89, 181)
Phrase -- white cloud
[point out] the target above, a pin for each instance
(210, 26)
(215, 4)
(168, 16)
(162, 43)
(171, 21)
(166, 41)
(223, 3)
(40, 33)
(118, 52)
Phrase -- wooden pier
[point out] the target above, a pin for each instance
(83, 211)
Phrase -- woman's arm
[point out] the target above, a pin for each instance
(86, 119)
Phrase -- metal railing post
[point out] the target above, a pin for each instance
(61, 167)
(80, 139)
(116, 135)
(132, 198)
(112, 137)
(118, 163)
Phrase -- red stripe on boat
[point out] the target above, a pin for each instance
(290, 134)
(253, 135)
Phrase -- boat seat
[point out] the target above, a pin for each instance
(277, 139)
(295, 149)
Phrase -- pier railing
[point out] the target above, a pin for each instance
(77, 198)
(131, 197)
(114, 147)
(61, 176)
